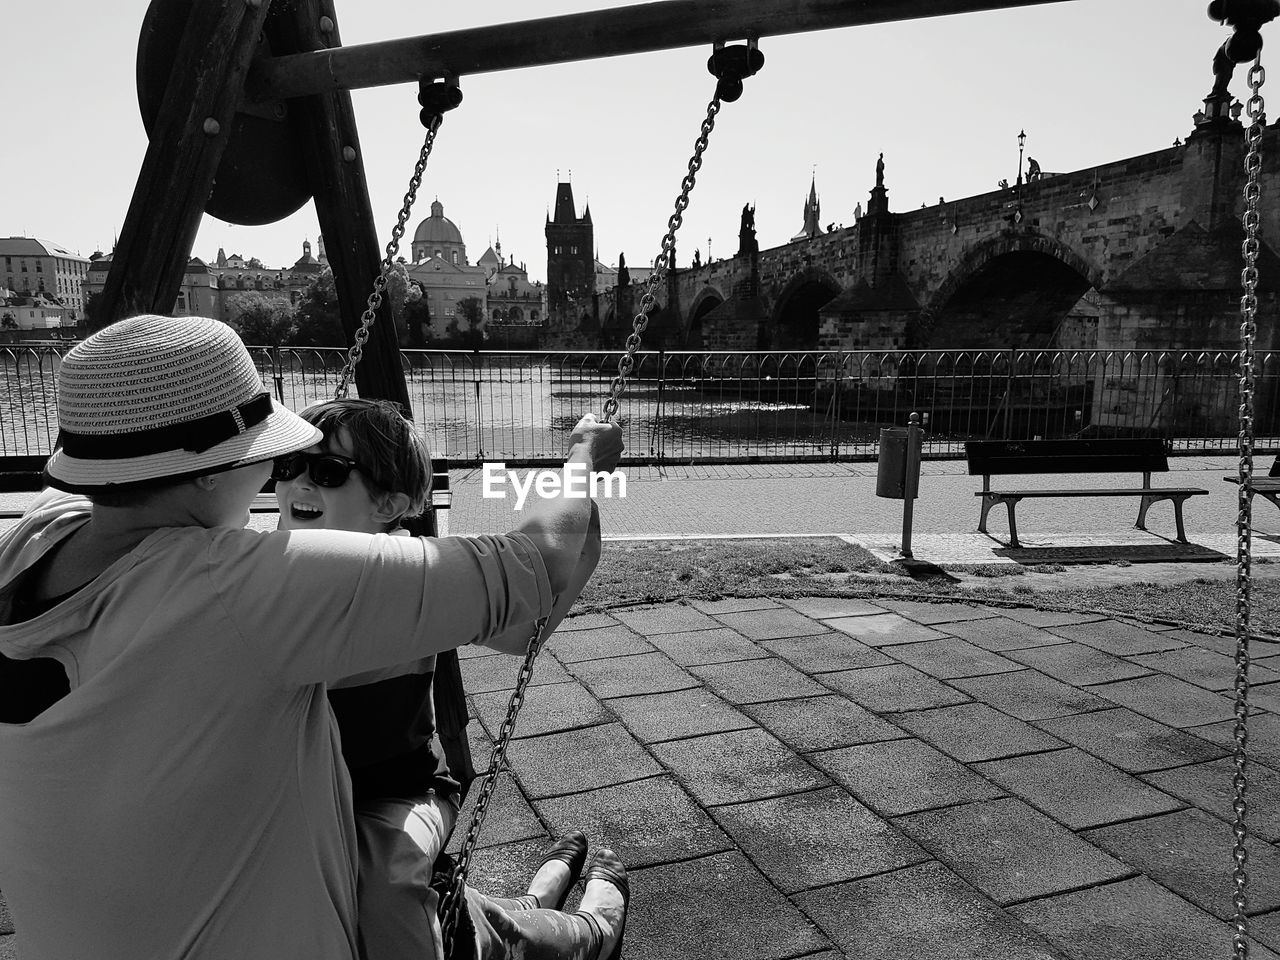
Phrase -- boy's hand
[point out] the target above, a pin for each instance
(599, 440)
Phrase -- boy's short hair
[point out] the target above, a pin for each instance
(383, 441)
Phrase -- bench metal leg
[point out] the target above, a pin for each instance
(1149, 498)
(989, 501)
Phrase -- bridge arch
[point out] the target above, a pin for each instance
(704, 301)
(1015, 290)
(794, 321)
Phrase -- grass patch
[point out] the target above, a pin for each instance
(672, 570)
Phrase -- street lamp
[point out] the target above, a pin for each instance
(1022, 139)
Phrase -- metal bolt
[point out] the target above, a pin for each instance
(349, 154)
(326, 25)
(211, 126)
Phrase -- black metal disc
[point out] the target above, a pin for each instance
(262, 176)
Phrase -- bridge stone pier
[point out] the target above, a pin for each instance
(1142, 253)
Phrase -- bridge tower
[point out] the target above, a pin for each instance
(571, 275)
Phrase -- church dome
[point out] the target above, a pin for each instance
(437, 228)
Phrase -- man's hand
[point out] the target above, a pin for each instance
(599, 442)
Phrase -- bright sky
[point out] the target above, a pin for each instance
(1091, 81)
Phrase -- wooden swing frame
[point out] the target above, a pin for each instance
(221, 70)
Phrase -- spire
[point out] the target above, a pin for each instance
(565, 212)
(812, 225)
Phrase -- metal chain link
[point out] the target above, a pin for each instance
(453, 899)
(1244, 521)
(626, 362)
(356, 351)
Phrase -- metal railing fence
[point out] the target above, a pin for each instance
(700, 406)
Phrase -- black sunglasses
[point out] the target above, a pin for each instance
(326, 469)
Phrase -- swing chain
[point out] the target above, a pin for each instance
(1248, 331)
(452, 902)
(356, 351)
(664, 262)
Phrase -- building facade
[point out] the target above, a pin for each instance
(39, 269)
(440, 267)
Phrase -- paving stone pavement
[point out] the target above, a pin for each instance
(860, 778)
(933, 786)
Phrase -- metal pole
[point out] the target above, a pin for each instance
(911, 485)
(639, 28)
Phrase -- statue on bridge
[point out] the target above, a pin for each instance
(1033, 170)
(880, 171)
(747, 232)
(624, 275)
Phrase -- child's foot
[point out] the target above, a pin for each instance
(559, 870)
(605, 901)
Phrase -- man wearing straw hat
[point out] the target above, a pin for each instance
(171, 779)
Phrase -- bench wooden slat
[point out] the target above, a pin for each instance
(1003, 457)
(1097, 492)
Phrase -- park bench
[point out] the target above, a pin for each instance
(1268, 486)
(990, 458)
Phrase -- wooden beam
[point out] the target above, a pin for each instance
(335, 167)
(187, 141)
(639, 28)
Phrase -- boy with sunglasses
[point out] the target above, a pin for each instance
(370, 470)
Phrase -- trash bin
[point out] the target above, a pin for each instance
(891, 467)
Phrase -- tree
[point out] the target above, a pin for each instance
(9, 321)
(319, 323)
(262, 320)
(470, 310)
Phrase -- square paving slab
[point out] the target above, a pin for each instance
(487, 674)
(1131, 742)
(1047, 618)
(826, 652)
(1030, 695)
(733, 604)
(510, 818)
(645, 822)
(1133, 919)
(975, 731)
(921, 913)
(1209, 787)
(1226, 644)
(770, 624)
(1264, 738)
(878, 629)
(1077, 664)
(1118, 638)
(593, 644)
(932, 613)
(755, 681)
(707, 646)
(950, 658)
(821, 608)
(1204, 668)
(1077, 790)
(1190, 853)
(668, 618)
(655, 717)
(901, 776)
(547, 708)
(714, 908)
(893, 688)
(819, 723)
(1168, 700)
(1001, 633)
(816, 839)
(737, 766)
(580, 760)
(1010, 851)
(627, 676)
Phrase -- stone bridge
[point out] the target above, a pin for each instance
(1142, 253)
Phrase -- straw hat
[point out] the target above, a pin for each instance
(152, 398)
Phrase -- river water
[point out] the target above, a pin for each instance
(516, 410)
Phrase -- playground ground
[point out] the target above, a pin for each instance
(887, 776)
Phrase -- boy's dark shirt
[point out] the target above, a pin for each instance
(386, 730)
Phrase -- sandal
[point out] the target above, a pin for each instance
(571, 850)
(607, 867)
